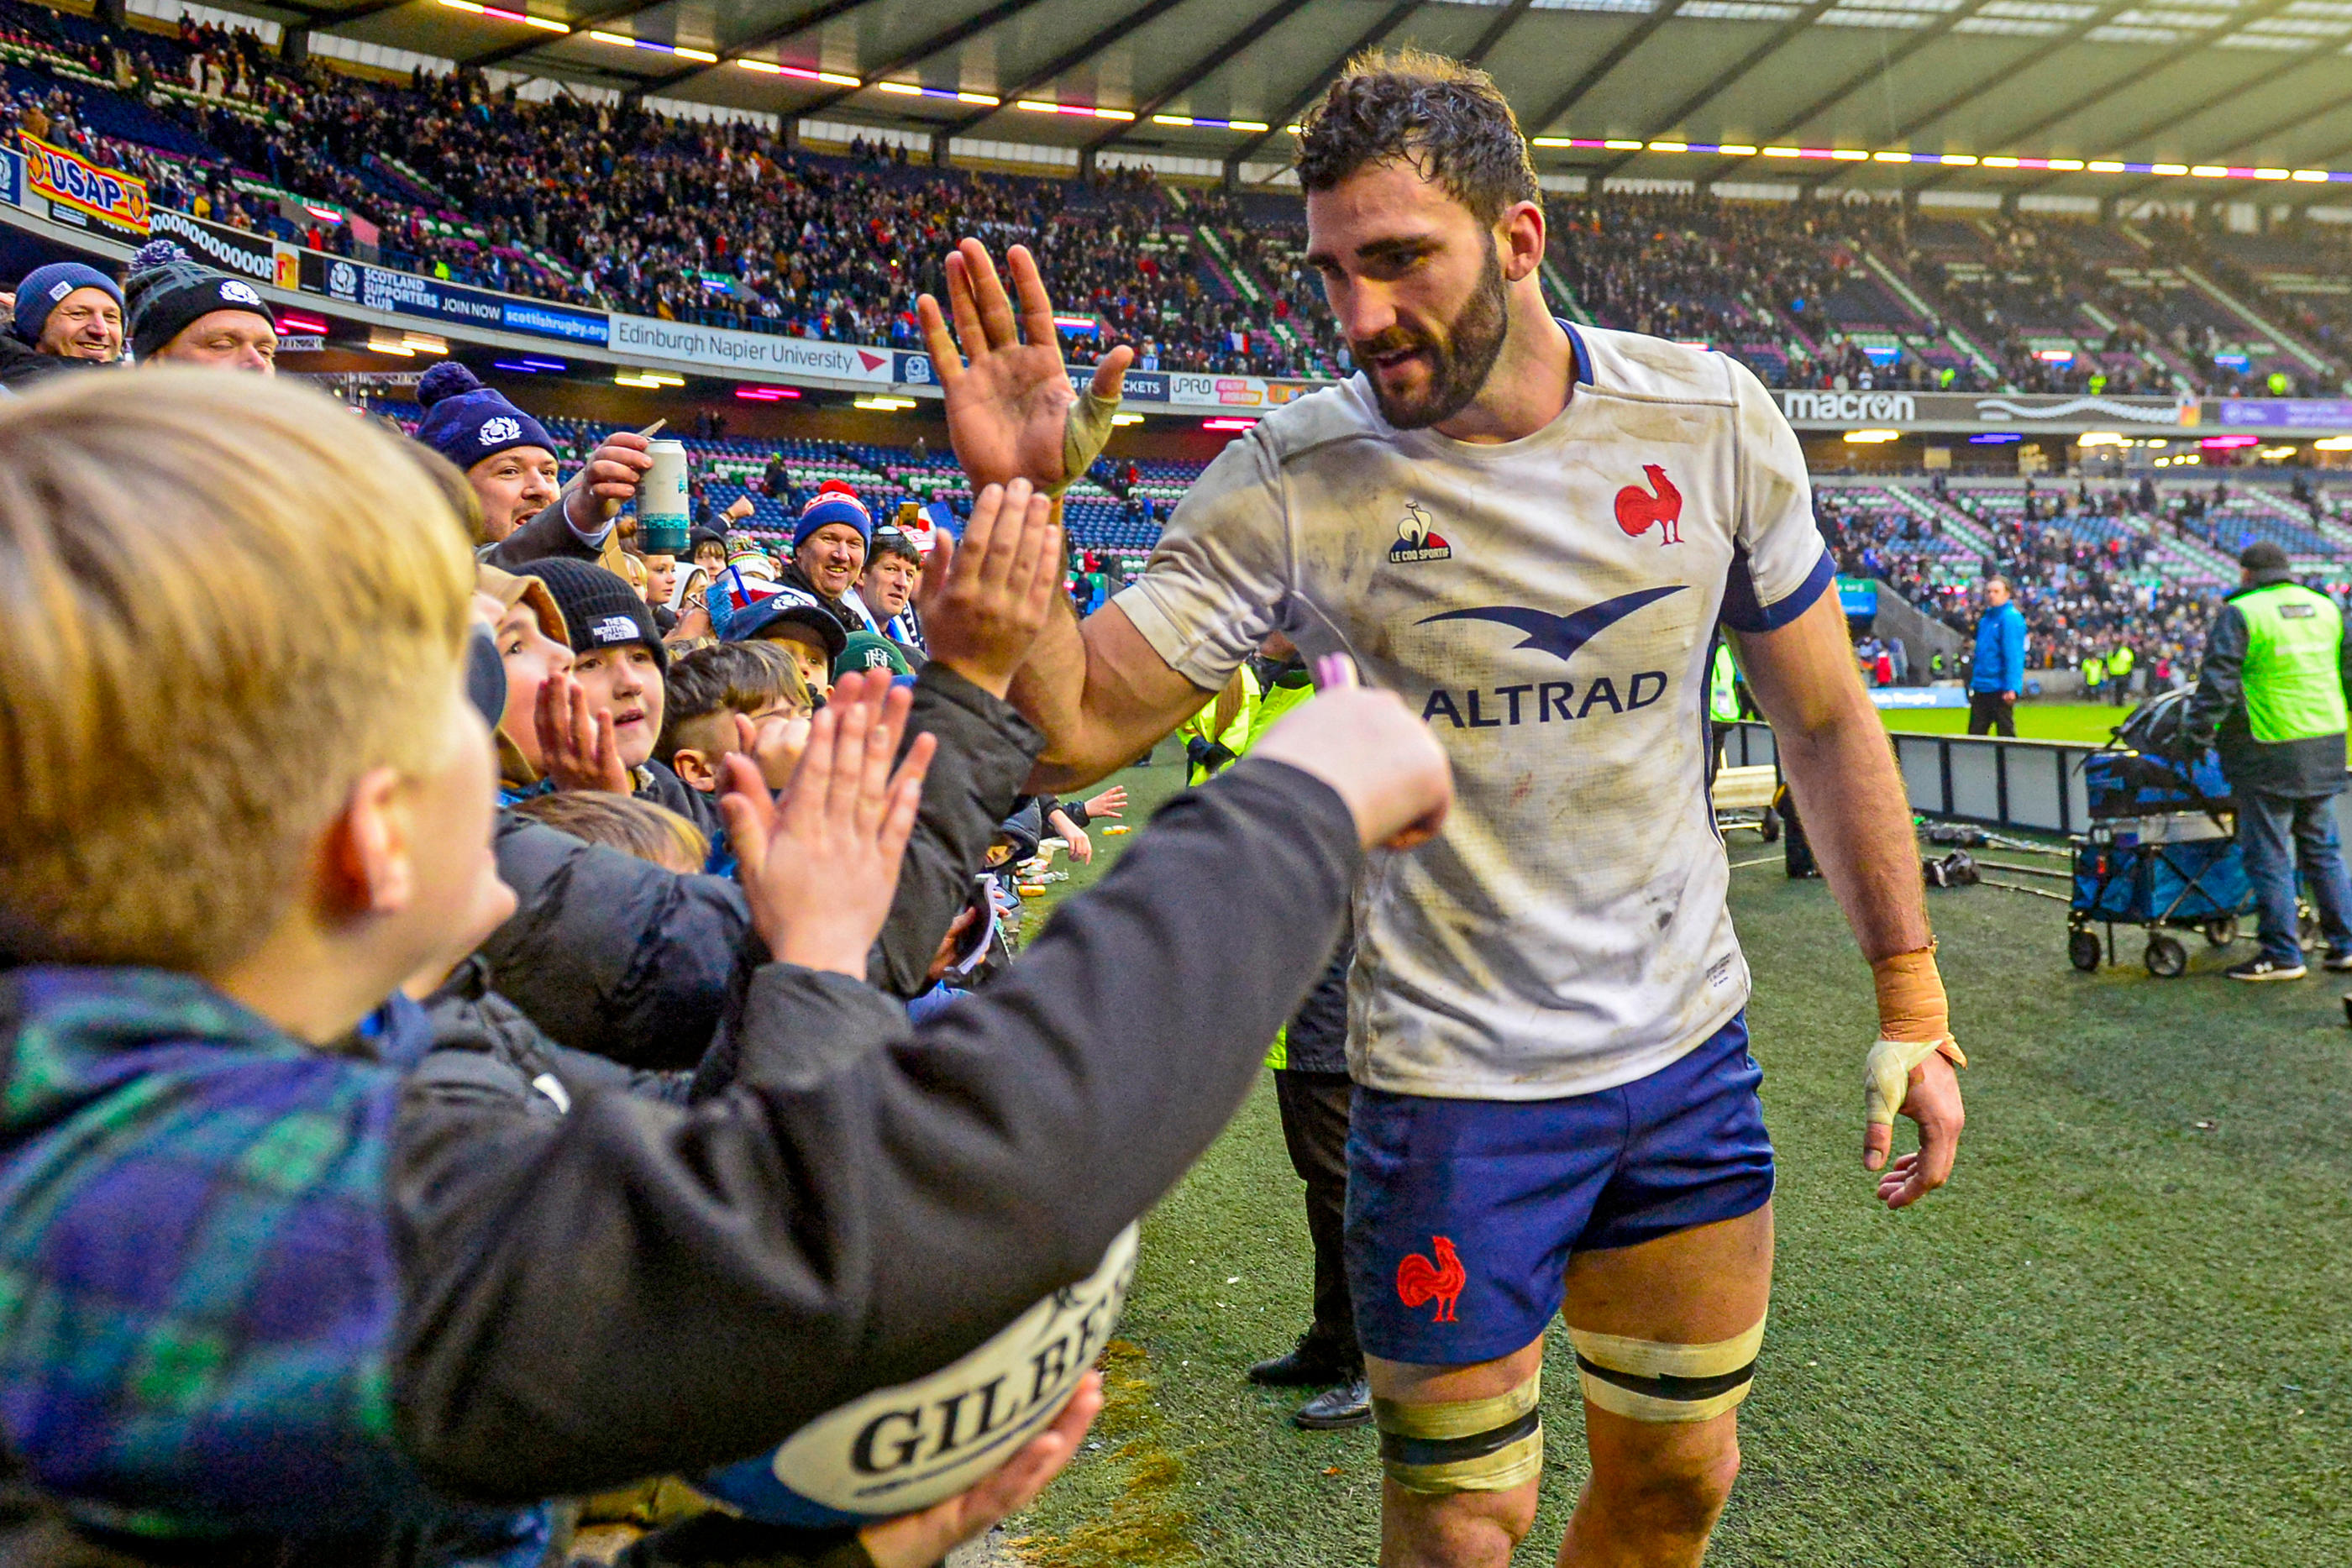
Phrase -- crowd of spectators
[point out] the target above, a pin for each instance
(504, 906)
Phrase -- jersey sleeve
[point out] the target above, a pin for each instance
(1216, 584)
(1779, 564)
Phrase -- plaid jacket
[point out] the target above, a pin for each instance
(197, 1282)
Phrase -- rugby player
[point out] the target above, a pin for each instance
(1533, 531)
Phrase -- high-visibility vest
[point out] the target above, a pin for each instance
(2095, 670)
(2119, 662)
(1722, 689)
(2293, 671)
(1236, 738)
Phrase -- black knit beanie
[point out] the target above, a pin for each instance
(601, 610)
(166, 291)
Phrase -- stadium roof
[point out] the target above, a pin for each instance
(2242, 100)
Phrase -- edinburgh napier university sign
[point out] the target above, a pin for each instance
(410, 294)
(1981, 411)
(80, 193)
(725, 350)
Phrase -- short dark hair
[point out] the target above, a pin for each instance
(731, 677)
(889, 540)
(1449, 121)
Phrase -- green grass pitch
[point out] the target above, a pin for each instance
(2035, 720)
(2123, 1336)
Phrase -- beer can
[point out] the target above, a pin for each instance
(665, 514)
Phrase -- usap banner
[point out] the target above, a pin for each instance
(80, 191)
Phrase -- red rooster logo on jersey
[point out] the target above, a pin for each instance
(1661, 504)
(1420, 1280)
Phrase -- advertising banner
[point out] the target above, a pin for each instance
(1918, 696)
(1196, 390)
(2287, 413)
(216, 246)
(1900, 410)
(408, 294)
(725, 349)
(78, 191)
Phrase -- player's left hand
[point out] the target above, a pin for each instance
(1933, 1101)
(1009, 400)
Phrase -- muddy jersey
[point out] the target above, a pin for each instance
(1546, 605)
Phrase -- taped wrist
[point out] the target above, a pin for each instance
(1469, 1444)
(1645, 1380)
(1914, 1024)
(1084, 435)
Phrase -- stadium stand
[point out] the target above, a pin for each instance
(720, 225)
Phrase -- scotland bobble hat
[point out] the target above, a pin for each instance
(793, 605)
(166, 291)
(45, 287)
(834, 502)
(466, 422)
(599, 609)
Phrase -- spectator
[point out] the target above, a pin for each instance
(829, 546)
(67, 316)
(1997, 675)
(182, 313)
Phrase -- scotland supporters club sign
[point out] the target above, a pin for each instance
(408, 294)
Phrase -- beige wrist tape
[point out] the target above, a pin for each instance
(1083, 434)
(1914, 1024)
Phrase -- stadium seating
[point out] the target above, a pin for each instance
(720, 225)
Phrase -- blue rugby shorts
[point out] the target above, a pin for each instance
(1462, 1214)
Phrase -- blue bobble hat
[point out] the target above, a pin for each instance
(44, 287)
(466, 422)
(834, 502)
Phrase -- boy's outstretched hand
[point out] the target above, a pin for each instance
(576, 748)
(1383, 761)
(984, 602)
(1009, 399)
(920, 1539)
(820, 865)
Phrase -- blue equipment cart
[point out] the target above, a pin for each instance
(2161, 874)
(2162, 853)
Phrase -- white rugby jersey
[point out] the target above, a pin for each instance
(1546, 605)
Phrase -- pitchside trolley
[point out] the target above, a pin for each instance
(2162, 853)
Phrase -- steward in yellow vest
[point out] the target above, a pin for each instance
(2270, 694)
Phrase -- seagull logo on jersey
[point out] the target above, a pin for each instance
(1661, 504)
(1415, 541)
(1561, 635)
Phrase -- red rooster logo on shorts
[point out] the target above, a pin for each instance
(1420, 1280)
(1661, 504)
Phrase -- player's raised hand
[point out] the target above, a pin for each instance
(1383, 761)
(985, 601)
(1009, 397)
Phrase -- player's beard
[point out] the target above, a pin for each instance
(1461, 354)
